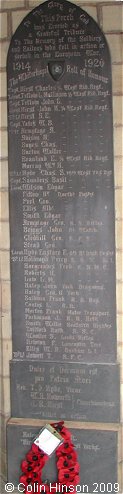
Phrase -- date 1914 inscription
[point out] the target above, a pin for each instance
(61, 188)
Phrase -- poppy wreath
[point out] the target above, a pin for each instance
(67, 465)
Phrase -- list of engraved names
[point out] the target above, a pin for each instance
(61, 188)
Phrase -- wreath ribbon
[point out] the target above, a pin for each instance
(67, 466)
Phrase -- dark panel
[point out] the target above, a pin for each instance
(61, 188)
(62, 234)
(97, 454)
(70, 391)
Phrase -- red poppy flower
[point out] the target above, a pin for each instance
(34, 448)
(71, 456)
(27, 466)
(65, 475)
(65, 449)
(36, 455)
(65, 434)
(65, 462)
(36, 475)
(62, 430)
(24, 466)
(25, 480)
(30, 457)
(75, 468)
(62, 462)
(39, 452)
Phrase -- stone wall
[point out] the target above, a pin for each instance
(108, 14)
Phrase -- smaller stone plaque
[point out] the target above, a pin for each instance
(97, 456)
(85, 392)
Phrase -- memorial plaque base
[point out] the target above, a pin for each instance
(97, 453)
(83, 392)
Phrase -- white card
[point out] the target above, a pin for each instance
(48, 440)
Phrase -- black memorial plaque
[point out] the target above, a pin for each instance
(62, 236)
(61, 188)
(80, 392)
(97, 454)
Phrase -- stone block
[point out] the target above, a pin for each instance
(5, 405)
(117, 73)
(12, 4)
(97, 454)
(91, 11)
(112, 17)
(118, 140)
(119, 356)
(7, 355)
(87, 392)
(115, 46)
(118, 233)
(3, 53)
(6, 295)
(35, 3)
(3, 113)
(119, 273)
(4, 144)
(121, 391)
(1, 358)
(3, 85)
(3, 24)
(6, 325)
(118, 203)
(4, 205)
(118, 171)
(119, 293)
(120, 446)
(5, 265)
(17, 18)
(4, 174)
(119, 328)
(117, 110)
(3, 464)
(5, 238)
(3, 432)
